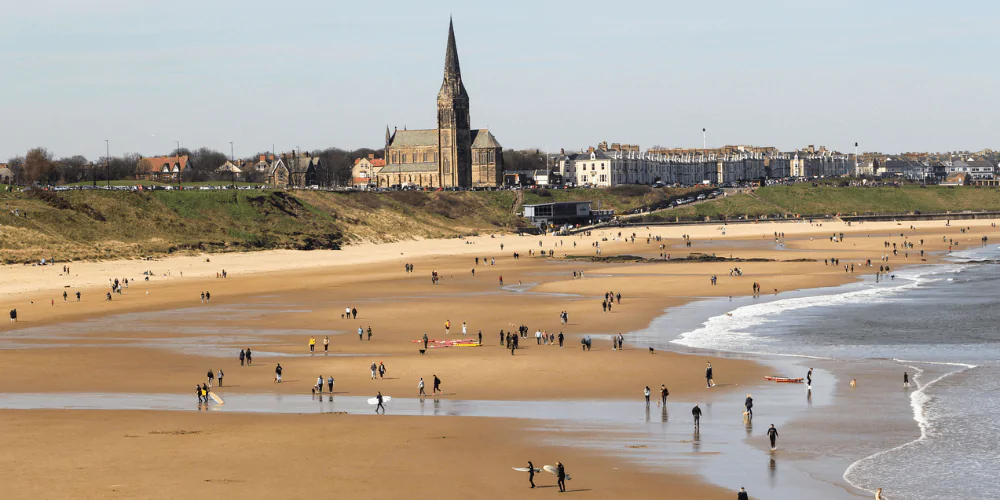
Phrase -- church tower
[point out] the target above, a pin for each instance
(454, 134)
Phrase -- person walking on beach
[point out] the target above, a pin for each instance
(663, 394)
(277, 373)
(696, 413)
(561, 337)
(531, 474)
(374, 369)
(329, 384)
(708, 376)
(378, 399)
(197, 391)
(437, 385)
(420, 388)
(13, 315)
(319, 385)
(809, 379)
(480, 336)
(360, 334)
(354, 313)
(749, 405)
(381, 370)
(464, 329)
(772, 434)
(369, 331)
(219, 377)
(312, 346)
(878, 494)
(326, 345)
(561, 474)
(447, 327)
(425, 340)
(742, 495)
(243, 356)
(204, 392)
(646, 393)
(906, 380)
(249, 357)
(211, 377)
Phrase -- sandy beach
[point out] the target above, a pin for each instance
(159, 337)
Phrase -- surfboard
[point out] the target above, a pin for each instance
(551, 469)
(374, 401)
(216, 398)
(525, 469)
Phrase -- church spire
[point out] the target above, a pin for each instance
(452, 83)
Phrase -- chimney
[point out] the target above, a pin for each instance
(590, 149)
(262, 157)
(562, 151)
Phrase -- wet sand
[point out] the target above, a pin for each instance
(165, 340)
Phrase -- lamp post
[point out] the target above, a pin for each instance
(107, 160)
(232, 162)
(177, 155)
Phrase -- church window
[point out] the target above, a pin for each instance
(394, 158)
(425, 157)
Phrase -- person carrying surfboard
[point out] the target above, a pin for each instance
(561, 474)
(531, 473)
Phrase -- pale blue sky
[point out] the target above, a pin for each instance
(893, 75)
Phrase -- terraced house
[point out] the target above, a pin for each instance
(453, 154)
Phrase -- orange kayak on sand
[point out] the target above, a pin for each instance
(784, 379)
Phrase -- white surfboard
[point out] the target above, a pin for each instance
(525, 469)
(216, 398)
(552, 469)
(374, 401)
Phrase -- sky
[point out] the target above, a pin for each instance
(892, 75)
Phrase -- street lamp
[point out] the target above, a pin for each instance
(177, 154)
(232, 161)
(107, 160)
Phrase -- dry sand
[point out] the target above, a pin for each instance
(299, 455)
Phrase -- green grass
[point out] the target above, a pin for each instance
(158, 183)
(826, 200)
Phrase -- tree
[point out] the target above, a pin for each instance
(38, 167)
(73, 168)
(16, 166)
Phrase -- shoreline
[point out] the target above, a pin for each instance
(920, 368)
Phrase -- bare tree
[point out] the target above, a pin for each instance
(38, 167)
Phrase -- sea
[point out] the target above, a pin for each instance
(940, 322)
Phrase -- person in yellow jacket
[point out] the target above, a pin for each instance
(312, 345)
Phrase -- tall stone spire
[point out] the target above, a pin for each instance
(452, 84)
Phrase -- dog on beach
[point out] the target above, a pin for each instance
(854, 383)
(746, 417)
(651, 350)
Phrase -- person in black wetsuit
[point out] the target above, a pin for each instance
(531, 474)
(197, 390)
(708, 376)
(749, 404)
(809, 378)
(772, 434)
(742, 495)
(696, 412)
(379, 404)
(906, 379)
(562, 477)
(249, 357)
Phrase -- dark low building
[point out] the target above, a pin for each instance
(560, 213)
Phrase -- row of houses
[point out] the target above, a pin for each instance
(619, 164)
(288, 170)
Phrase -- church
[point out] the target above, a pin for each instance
(453, 154)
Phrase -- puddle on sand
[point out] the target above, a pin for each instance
(648, 436)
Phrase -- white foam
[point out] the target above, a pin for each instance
(919, 402)
(727, 332)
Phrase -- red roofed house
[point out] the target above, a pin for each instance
(365, 170)
(162, 168)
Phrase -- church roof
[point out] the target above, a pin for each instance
(414, 138)
(484, 139)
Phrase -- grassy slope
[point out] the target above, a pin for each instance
(806, 200)
(108, 224)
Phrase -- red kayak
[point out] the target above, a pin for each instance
(785, 379)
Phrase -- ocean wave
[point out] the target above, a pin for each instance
(920, 402)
